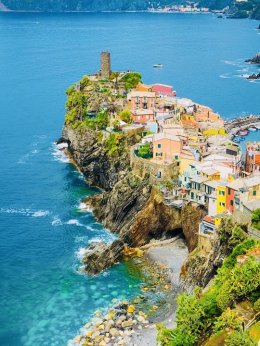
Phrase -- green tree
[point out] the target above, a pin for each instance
(126, 116)
(144, 151)
(132, 79)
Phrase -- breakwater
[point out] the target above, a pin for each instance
(233, 126)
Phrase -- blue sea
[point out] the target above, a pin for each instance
(44, 298)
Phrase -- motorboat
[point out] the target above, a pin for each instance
(252, 129)
(243, 132)
(158, 65)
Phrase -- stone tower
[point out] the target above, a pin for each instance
(105, 65)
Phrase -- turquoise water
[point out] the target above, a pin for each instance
(44, 298)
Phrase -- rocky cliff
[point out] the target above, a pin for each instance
(200, 268)
(128, 205)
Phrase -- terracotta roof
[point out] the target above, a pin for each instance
(209, 219)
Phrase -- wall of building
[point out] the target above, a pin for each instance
(221, 199)
(157, 172)
(169, 148)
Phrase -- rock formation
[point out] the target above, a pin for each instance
(254, 60)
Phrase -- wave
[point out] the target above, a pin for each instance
(40, 213)
(81, 252)
(56, 221)
(224, 76)
(26, 157)
(25, 211)
(84, 207)
(59, 155)
(237, 62)
(74, 222)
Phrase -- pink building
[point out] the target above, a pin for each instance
(163, 90)
(143, 116)
(141, 100)
(166, 147)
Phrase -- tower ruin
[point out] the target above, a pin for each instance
(105, 65)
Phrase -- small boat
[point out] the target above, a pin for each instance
(242, 132)
(257, 127)
(252, 129)
(237, 140)
(158, 65)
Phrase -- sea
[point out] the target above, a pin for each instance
(44, 296)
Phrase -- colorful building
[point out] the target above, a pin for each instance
(143, 116)
(163, 90)
(166, 147)
(221, 203)
(141, 100)
(252, 157)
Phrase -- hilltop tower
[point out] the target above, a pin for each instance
(105, 64)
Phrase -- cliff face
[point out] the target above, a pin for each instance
(199, 268)
(129, 205)
(90, 156)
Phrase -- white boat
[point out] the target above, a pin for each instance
(158, 65)
(257, 127)
(252, 129)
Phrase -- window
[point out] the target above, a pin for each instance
(221, 204)
(222, 193)
(254, 193)
(159, 145)
(232, 203)
(229, 190)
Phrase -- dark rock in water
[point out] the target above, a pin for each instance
(100, 256)
(254, 76)
(254, 60)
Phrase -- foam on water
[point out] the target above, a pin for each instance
(25, 211)
(56, 221)
(59, 155)
(74, 222)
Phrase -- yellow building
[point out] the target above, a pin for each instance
(221, 198)
(211, 173)
(186, 157)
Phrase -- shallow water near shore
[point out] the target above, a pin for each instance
(44, 299)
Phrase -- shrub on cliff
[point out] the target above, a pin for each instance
(239, 338)
(256, 219)
(200, 314)
(126, 116)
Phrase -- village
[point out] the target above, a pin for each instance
(189, 152)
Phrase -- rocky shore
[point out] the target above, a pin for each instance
(131, 323)
(254, 60)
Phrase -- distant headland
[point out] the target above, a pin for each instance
(231, 8)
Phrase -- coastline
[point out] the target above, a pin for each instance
(161, 253)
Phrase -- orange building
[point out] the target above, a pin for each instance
(166, 147)
(253, 157)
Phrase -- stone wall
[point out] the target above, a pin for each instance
(157, 171)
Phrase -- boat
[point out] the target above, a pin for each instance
(242, 132)
(257, 127)
(158, 65)
(252, 129)
(237, 140)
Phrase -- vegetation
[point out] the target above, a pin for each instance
(256, 219)
(126, 116)
(132, 79)
(214, 312)
(145, 151)
(115, 145)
